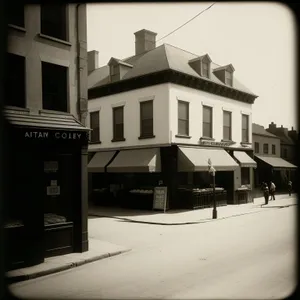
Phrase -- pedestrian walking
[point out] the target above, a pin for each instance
(290, 188)
(266, 192)
(272, 190)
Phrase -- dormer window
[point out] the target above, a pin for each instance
(228, 78)
(114, 72)
(201, 65)
(225, 74)
(205, 69)
(117, 69)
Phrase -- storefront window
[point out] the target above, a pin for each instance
(245, 174)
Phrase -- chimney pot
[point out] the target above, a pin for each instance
(145, 40)
(93, 61)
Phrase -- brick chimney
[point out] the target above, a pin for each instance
(272, 126)
(93, 61)
(145, 40)
(293, 134)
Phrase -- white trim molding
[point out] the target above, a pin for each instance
(147, 98)
(119, 104)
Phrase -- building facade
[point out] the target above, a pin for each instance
(176, 111)
(288, 142)
(270, 164)
(45, 110)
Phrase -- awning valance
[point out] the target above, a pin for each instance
(136, 161)
(276, 162)
(196, 159)
(244, 159)
(99, 161)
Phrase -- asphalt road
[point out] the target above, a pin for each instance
(251, 256)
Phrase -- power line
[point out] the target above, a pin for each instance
(187, 21)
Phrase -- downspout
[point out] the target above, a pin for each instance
(80, 111)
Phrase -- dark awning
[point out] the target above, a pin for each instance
(99, 161)
(191, 159)
(244, 159)
(276, 162)
(47, 120)
(136, 161)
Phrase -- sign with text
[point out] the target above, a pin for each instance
(160, 198)
(50, 166)
(217, 144)
(53, 190)
(55, 134)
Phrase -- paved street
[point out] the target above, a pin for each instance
(250, 256)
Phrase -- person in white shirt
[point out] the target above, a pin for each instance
(272, 190)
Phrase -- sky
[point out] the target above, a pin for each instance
(257, 38)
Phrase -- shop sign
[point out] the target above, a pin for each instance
(53, 134)
(160, 198)
(217, 144)
(50, 166)
(53, 190)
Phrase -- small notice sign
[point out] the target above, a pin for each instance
(50, 166)
(160, 198)
(53, 190)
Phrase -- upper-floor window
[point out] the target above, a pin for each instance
(207, 121)
(183, 118)
(54, 20)
(146, 109)
(15, 81)
(15, 14)
(54, 86)
(205, 69)
(114, 72)
(95, 126)
(273, 149)
(256, 147)
(285, 153)
(228, 78)
(118, 123)
(245, 128)
(266, 148)
(227, 125)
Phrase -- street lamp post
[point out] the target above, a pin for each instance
(212, 170)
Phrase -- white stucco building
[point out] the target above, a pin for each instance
(168, 98)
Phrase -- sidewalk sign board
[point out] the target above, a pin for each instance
(160, 198)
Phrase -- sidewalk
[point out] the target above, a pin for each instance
(181, 217)
(97, 250)
(100, 249)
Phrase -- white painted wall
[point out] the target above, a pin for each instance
(197, 99)
(35, 49)
(130, 100)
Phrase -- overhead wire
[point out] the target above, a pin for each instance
(201, 12)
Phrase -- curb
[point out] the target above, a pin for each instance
(24, 277)
(188, 223)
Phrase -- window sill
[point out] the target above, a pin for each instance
(17, 108)
(118, 140)
(16, 27)
(182, 136)
(143, 137)
(94, 142)
(54, 112)
(206, 138)
(47, 37)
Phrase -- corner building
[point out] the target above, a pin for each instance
(161, 117)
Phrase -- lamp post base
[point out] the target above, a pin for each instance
(214, 214)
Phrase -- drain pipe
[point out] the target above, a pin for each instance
(81, 111)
